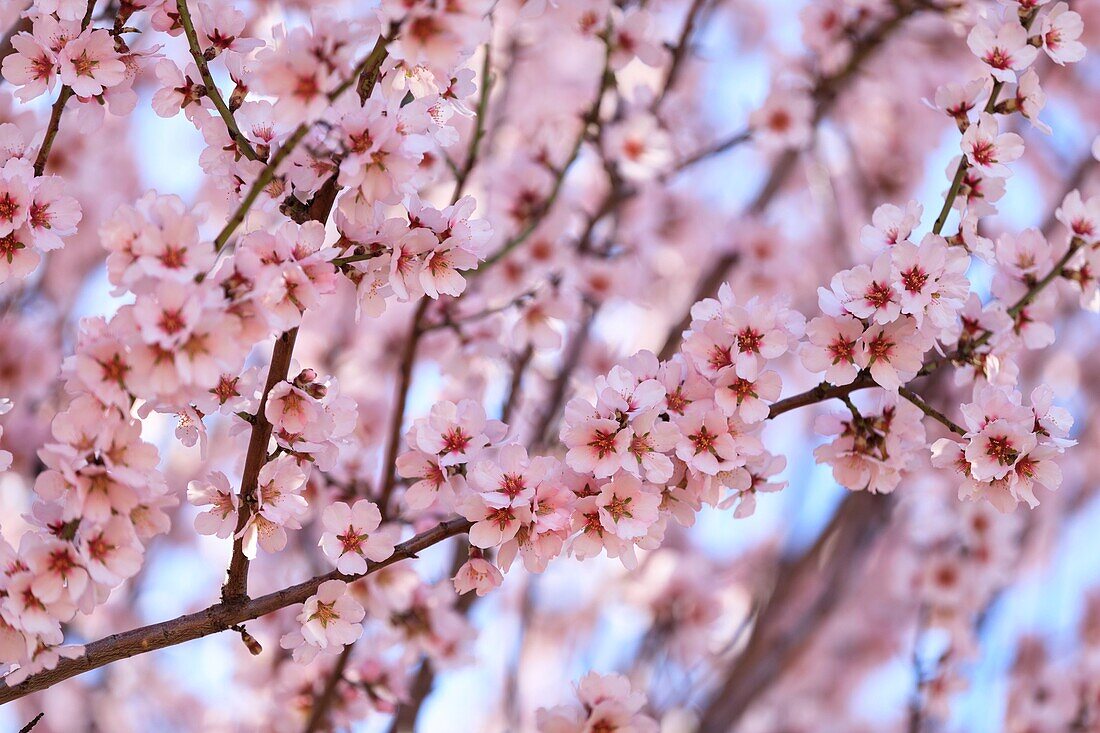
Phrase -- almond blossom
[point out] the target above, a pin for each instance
(352, 536)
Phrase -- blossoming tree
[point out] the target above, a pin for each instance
(483, 311)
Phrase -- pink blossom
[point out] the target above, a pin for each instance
(892, 353)
(871, 453)
(707, 443)
(747, 396)
(329, 620)
(870, 293)
(352, 536)
(89, 63)
(784, 120)
(477, 574)
(1061, 29)
(627, 506)
(890, 225)
(988, 149)
(831, 347)
(1004, 49)
(596, 445)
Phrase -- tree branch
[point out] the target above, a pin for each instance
(219, 617)
(211, 86)
(54, 124)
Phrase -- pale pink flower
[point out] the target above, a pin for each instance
(996, 448)
(706, 443)
(477, 574)
(596, 445)
(633, 37)
(957, 100)
(52, 214)
(931, 279)
(281, 506)
(747, 392)
(112, 552)
(1079, 216)
(178, 91)
(58, 569)
(1004, 50)
(870, 291)
(831, 347)
(784, 121)
(889, 225)
(220, 519)
(639, 145)
(988, 149)
(1062, 28)
(432, 478)
(330, 620)
(627, 506)
(352, 536)
(649, 441)
(89, 63)
(455, 433)
(1030, 100)
(291, 409)
(892, 353)
(496, 517)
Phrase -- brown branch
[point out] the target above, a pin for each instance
(400, 399)
(321, 704)
(679, 51)
(404, 719)
(63, 97)
(561, 382)
(930, 411)
(479, 126)
(236, 584)
(219, 617)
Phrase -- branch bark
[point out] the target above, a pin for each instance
(218, 617)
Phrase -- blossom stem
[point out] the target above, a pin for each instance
(463, 174)
(930, 411)
(368, 67)
(211, 86)
(63, 97)
(236, 584)
(607, 77)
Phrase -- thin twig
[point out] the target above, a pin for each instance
(54, 124)
(211, 86)
(930, 411)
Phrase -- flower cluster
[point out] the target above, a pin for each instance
(883, 317)
(406, 258)
(1008, 447)
(607, 702)
(35, 212)
(59, 46)
(872, 447)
